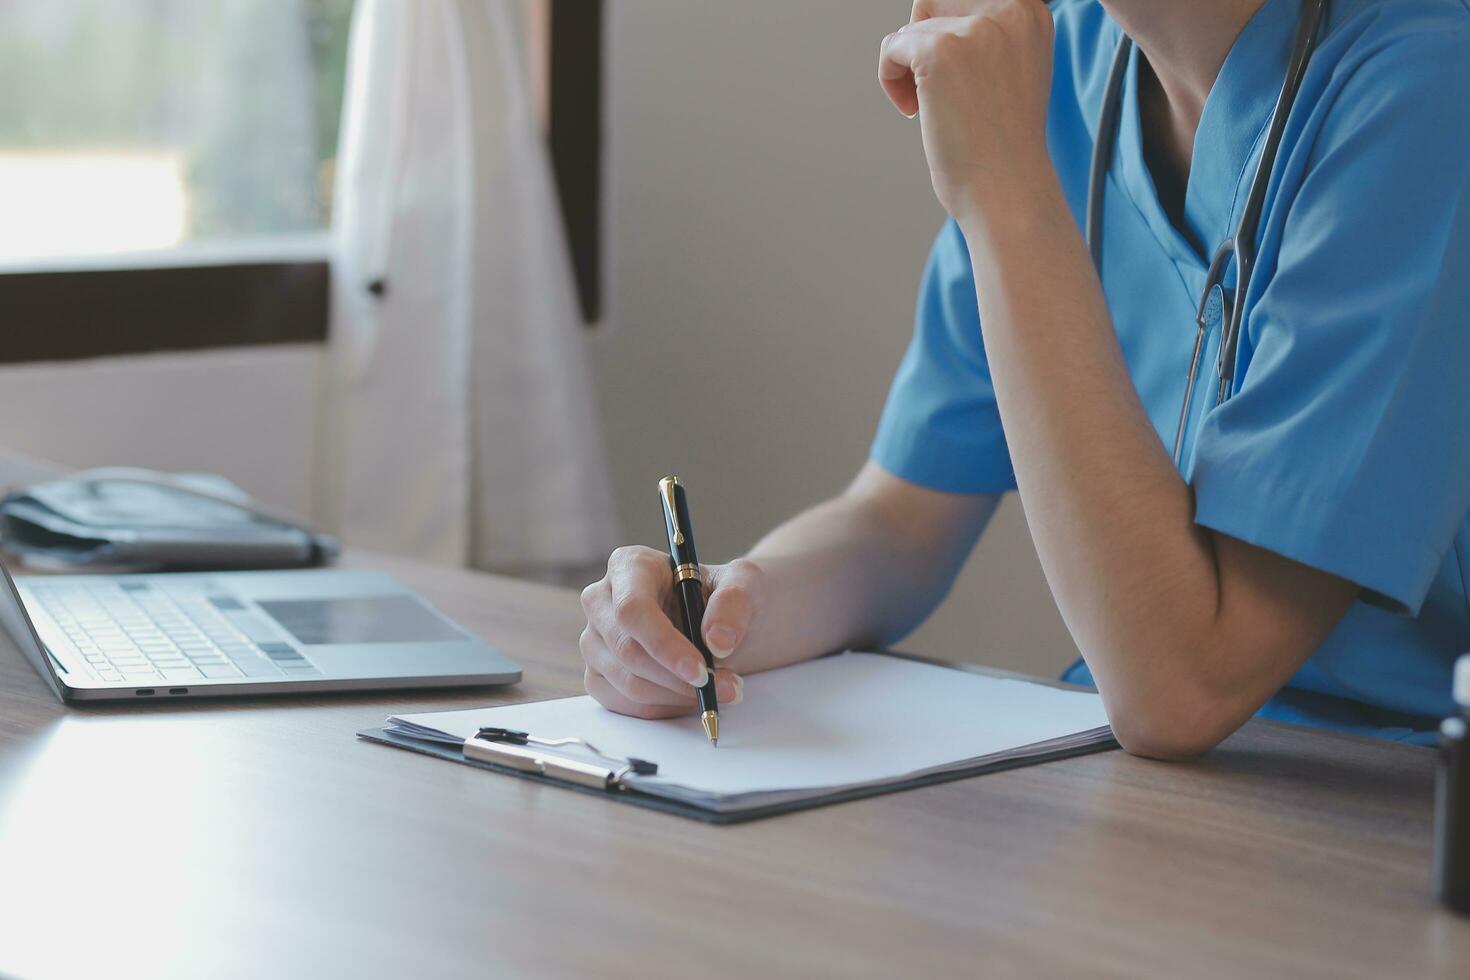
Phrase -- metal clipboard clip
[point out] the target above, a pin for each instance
(508, 747)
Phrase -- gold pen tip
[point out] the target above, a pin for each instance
(711, 726)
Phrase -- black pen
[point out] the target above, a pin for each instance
(689, 594)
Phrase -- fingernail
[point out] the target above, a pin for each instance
(721, 640)
(739, 689)
(693, 671)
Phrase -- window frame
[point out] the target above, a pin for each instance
(244, 294)
(572, 95)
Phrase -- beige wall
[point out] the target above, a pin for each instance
(768, 219)
(247, 414)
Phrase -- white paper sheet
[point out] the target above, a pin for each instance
(853, 719)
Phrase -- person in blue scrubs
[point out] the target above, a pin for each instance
(1306, 556)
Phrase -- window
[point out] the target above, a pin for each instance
(132, 126)
(166, 167)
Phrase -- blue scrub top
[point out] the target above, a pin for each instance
(1347, 443)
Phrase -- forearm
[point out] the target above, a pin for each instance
(1136, 580)
(856, 571)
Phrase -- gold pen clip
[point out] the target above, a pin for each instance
(666, 488)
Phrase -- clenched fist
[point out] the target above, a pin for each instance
(978, 75)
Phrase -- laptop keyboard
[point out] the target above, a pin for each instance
(136, 634)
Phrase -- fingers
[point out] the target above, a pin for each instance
(897, 78)
(635, 656)
(903, 54)
(638, 620)
(614, 700)
(735, 600)
(634, 686)
(639, 581)
(647, 680)
(729, 688)
(606, 642)
(627, 610)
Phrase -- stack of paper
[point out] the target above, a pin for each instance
(815, 729)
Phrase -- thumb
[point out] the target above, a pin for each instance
(737, 593)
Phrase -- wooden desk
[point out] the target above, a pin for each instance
(257, 838)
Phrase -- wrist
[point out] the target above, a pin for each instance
(1019, 202)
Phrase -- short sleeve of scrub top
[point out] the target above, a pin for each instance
(941, 427)
(1347, 446)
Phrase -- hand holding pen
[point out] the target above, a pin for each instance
(638, 661)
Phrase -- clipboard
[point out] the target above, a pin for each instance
(616, 790)
(542, 756)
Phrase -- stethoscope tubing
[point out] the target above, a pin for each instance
(1240, 245)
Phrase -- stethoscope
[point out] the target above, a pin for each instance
(1241, 246)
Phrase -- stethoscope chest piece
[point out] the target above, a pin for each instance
(1215, 305)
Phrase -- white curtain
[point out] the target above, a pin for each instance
(459, 423)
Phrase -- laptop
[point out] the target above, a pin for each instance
(189, 635)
